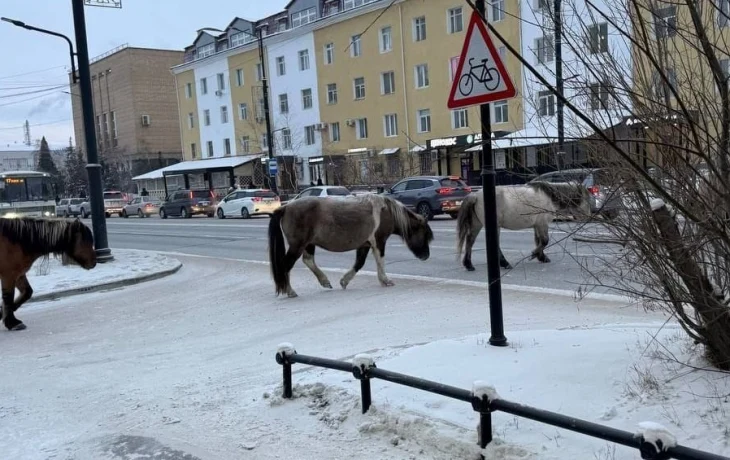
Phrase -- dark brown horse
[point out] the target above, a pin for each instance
(25, 240)
(350, 224)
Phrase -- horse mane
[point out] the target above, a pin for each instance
(563, 195)
(43, 236)
(399, 212)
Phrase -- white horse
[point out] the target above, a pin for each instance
(533, 205)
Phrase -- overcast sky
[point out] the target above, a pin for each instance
(33, 64)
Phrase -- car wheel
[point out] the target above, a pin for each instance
(221, 214)
(424, 209)
(65, 214)
(140, 214)
(244, 213)
(83, 213)
(184, 213)
(107, 215)
(123, 214)
(454, 215)
(163, 214)
(210, 214)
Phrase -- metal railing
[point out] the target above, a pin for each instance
(484, 400)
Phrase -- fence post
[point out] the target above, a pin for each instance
(283, 352)
(655, 439)
(482, 396)
(361, 365)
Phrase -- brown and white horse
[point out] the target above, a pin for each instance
(351, 224)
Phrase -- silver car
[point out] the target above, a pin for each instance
(69, 207)
(142, 206)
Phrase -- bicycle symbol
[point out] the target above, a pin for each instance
(489, 77)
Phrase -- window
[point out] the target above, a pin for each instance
(545, 104)
(391, 125)
(206, 117)
(243, 111)
(723, 13)
(193, 150)
(259, 72)
(598, 38)
(386, 39)
(660, 86)
(497, 10)
(264, 142)
(245, 144)
(460, 119)
(419, 29)
(665, 22)
(423, 121)
(361, 128)
(309, 137)
(238, 39)
(281, 27)
(307, 98)
(191, 120)
(387, 82)
(329, 53)
(304, 17)
(227, 147)
(284, 103)
(224, 114)
(206, 50)
(544, 49)
(335, 132)
(239, 77)
(210, 149)
(286, 139)
(501, 112)
(422, 76)
(360, 88)
(350, 4)
(221, 82)
(203, 86)
(598, 96)
(280, 66)
(456, 20)
(332, 93)
(304, 60)
(114, 127)
(188, 90)
(355, 46)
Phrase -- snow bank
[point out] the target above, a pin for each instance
(657, 434)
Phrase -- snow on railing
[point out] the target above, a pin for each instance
(652, 440)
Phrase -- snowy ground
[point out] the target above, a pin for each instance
(48, 276)
(183, 368)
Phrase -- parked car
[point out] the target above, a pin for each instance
(324, 191)
(69, 207)
(431, 196)
(187, 203)
(114, 202)
(247, 203)
(142, 206)
(602, 185)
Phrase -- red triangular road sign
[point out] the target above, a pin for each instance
(480, 76)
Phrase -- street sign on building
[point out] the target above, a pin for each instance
(273, 167)
(481, 76)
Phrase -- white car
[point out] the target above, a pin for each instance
(325, 191)
(248, 202)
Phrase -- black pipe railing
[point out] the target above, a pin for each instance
(484, 402)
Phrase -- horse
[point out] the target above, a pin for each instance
(23, 241)
(340, 225)
(532, 205)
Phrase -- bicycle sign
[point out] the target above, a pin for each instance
(481, 76)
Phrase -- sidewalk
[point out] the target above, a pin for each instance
(51, 280)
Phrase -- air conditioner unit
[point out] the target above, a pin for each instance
(320, 126)
(145, 120)
(219, 93)
(350, 122)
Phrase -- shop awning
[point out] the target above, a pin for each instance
(209, 165)
(389, 151)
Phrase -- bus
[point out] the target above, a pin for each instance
(26, 193)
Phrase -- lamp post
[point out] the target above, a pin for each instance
(269, 133)
(93, 168)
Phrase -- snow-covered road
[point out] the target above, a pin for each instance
(178, 367)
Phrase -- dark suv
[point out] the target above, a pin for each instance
(430, 196)
(187, 203)
(601, 184)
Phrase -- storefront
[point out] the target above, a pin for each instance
(328, 168)
(453, 155)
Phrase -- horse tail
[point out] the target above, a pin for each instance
(277, 252)
(465, 222)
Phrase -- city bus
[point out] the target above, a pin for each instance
(26, 193)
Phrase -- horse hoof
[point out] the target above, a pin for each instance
(545, 260)
(470, 268)
(19, 327)
(387, 283)
(507, 267)
(292, 295)
(327, 285)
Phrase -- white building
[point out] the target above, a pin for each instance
(215, 109)
(294, 99)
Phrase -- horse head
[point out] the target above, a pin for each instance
(80, 242)
(418, 236)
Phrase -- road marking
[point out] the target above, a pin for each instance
(433, 279)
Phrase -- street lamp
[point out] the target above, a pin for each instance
(269, 134)
(93, 168)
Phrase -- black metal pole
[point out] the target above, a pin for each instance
(93, 168)
(559, 80)
(269, 135)
(489, 182)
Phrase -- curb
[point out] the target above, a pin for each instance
(106, 286)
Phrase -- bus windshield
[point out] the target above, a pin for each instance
(26, 189)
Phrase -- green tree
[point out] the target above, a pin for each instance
(75, 172)
(46, 164)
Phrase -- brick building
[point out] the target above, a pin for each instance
(135, 110)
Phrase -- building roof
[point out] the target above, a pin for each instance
(198, 165)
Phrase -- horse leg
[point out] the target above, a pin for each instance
(360, 258)
(308, 259)
(26, 292)
(542, 238)
(8, 316)
(292, 255)
(379, 254)
(502, 259)
(471, 238)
